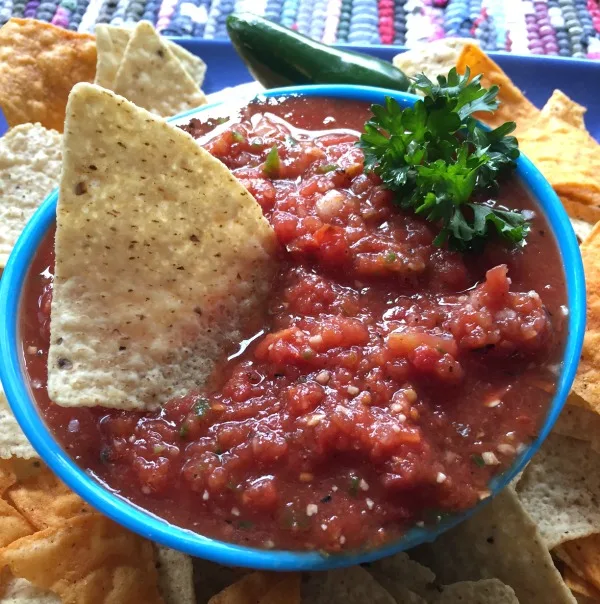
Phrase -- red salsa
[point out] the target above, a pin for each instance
(386, 383)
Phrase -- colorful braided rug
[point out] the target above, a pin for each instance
(568, 28)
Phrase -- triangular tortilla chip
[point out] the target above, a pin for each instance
(286, 590)
(581, 191)
(39, 64)
(431, 58)
(584, 555)
(21, 591)
(45, 501)
(502, 542)
(111, 43)
(161, 255)
(112, 40)
(13, 526)
(560, 489)
(258, 587)
(569, 158)
(514, 106)
(211, 578)
(353, 585)
(587, 380)
(582, 228)
(403, 577)
(488, 591)
(561, 106)
(175, 576)
(12, 440)
(87, 559)
(577, 421)
(153, 78)
(579, 585)
(30, 160)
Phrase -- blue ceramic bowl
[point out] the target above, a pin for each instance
(15, 382)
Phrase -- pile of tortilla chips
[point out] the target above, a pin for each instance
(151, 72)
(553, 137)
(56, 548)
(40, 63)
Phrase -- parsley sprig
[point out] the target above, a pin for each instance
(437, 157)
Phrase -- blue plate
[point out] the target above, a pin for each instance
(536, 76)
(142, 522)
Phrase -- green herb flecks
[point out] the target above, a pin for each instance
(105, 455)
(478, 460)
(436, 157)
(238, 137)
(272, 163)
(391, 257)
(202, 407)
(184, 430)
(354, 486)
(325, 168)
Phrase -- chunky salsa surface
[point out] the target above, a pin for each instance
(386, 383)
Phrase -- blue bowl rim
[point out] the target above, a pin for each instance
(156, 529)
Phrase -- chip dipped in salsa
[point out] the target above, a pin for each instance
(386, 382)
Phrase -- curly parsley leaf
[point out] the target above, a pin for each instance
(436, 157)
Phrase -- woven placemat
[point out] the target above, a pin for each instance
(568, 28)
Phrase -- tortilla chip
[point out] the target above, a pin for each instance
(8, 475)
(252, 588)
(21, 591)
(431, 58)
(580, 192)
(584, 599)
(195, 66)
(579, 422)
(561, 106)
(560, 489)
(567, 157)
(30, 159)
(39, 64)
(582, 228)
(403, 577)
(353, 585)
(579, 585)
(112, 40)
(580, 210)
(88, 559)
(583, 217)
(499, 542)
(175, 576)
(488, 591)
(584, 555)
(152, 77)
(111, 43)
(177, 255)
(587, 380)
(514, 106)
(12, 440)
(211, 578)
(287, 590)
(45, 501)
(12, 525)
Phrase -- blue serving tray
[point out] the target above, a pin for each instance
(537, 76)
